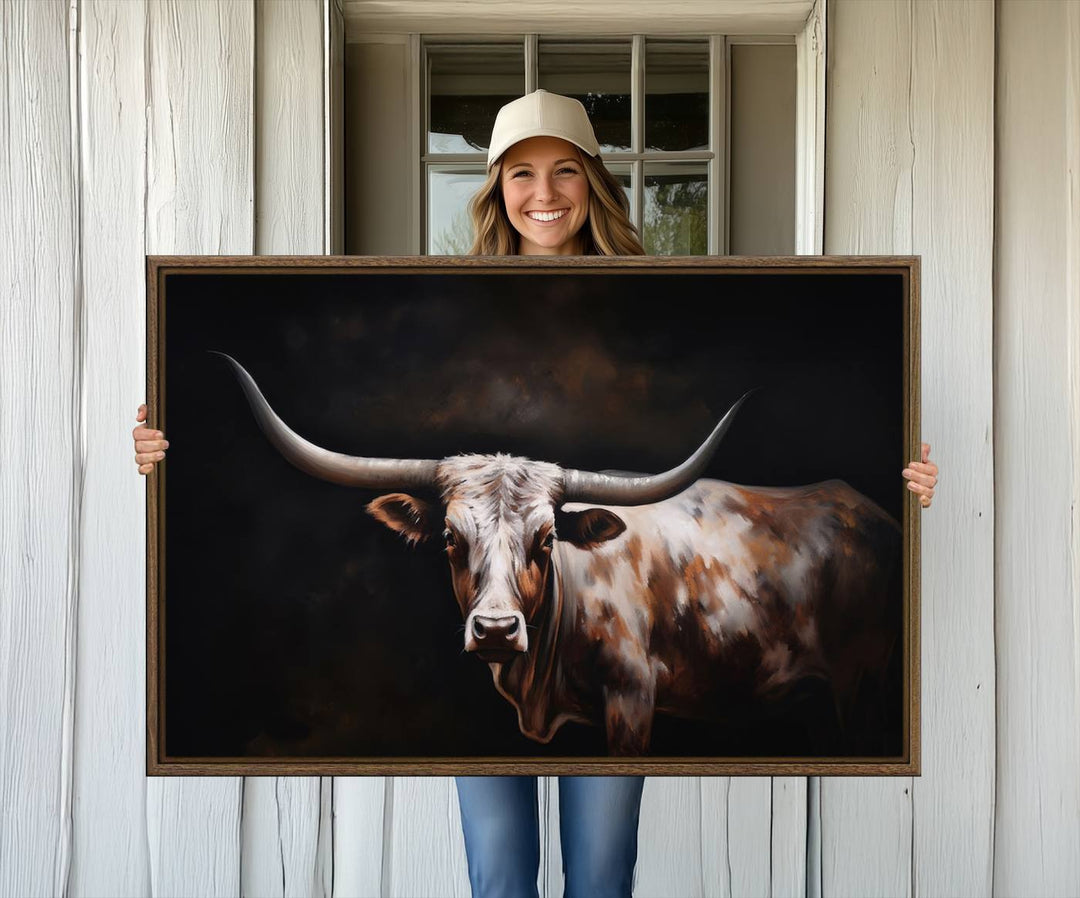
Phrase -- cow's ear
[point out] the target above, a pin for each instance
(589, 527)
(407, 515)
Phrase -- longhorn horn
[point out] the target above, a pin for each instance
(348, 470)
(616, 489)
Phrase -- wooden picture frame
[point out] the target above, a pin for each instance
(305, 636)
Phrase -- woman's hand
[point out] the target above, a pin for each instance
(922, 477)
(150, 445)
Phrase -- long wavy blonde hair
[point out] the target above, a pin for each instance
(607, 231)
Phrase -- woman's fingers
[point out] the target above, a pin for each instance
(925, 493)
(920, 477)
(151, 445)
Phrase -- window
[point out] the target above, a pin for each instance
(660, 108)
(701, 131)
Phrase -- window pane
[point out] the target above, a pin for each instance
(466, 86)
(676, 209)
(597, 74)
(676, 95)
(450, 231)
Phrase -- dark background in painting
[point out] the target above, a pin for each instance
(297, 625)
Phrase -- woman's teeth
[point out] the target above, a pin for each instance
(546, 216)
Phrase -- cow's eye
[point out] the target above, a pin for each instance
(549, 540)
(451, 539)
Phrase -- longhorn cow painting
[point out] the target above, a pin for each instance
(422, 517)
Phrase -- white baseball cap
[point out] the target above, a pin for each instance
(541, 114)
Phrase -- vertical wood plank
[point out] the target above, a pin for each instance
(193, 830)
(40, 451)
(289, 128)
(911, 141)
(282, 815)
(669, 838)
(199, 200)
(810, 133)
(736, 822)
(426, 850)
(715, 850)
(750, 826)
(869, 152)
(334, 125)
(953, 230)
(199, 164)
(109, 813)
(361, 806)
(1037, 370)
(280, 837)
(789, 820)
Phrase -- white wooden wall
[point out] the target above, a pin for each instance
(1037, 450)
(910, 152)
(199, 127)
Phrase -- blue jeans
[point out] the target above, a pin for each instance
(598, 822)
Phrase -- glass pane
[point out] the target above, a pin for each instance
(676, 95)
(597, 74)
(450, 231)
(466, 86)
(676, 209)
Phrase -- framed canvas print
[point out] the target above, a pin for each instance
(553, 516)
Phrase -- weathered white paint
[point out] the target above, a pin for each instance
(736, 828)
(909, 170)
(868, 159)
(289, 128)
(424, 849)
(558, 17)
(362, 807)
(109, 813)
(669, 838)
(810, 133)
(334, 126)
(281, 822)
(41, 451)
(1037, 365)
(199, 199)
(788, 837)
(952, 127)
(280, 831)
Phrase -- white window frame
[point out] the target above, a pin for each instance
(803, 23)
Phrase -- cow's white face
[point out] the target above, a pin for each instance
(498, 523)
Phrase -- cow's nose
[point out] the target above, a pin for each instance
(494, 631)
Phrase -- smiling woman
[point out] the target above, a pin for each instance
(546, 195)
(547, 190)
